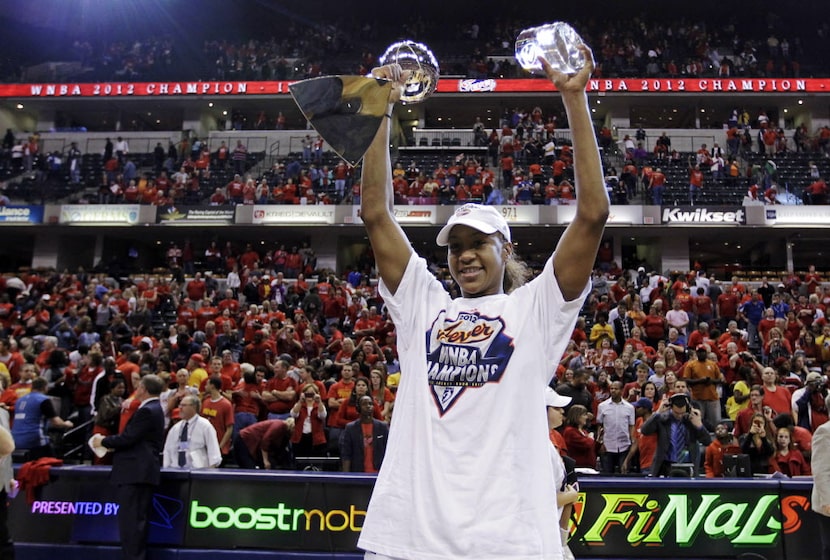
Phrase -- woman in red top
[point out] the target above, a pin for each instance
(580, 442)
(349, 411)
(309, 413)
(381, 394)
(787, 459)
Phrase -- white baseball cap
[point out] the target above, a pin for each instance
(554, 399)
(485, 219)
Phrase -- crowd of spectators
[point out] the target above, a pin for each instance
(733, 352)
(634, 45)
(280, 363)
(523, 162)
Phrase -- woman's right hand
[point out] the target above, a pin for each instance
(395, 74)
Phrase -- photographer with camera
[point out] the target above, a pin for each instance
(679, 428)
(809, 402)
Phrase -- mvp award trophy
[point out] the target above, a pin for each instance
(558, 43)
(347, 111)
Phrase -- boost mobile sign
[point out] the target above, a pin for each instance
(703, 215)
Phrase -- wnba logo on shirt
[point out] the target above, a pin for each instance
(465, 352)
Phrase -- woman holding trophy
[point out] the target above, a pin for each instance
(467, 472)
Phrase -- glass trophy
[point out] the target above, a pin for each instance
(558, 43)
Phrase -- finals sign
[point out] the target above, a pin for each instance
(670, 522)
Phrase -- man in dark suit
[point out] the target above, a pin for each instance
(136, 466)
(363, 441)
(679, 428)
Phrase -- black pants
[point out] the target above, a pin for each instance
(133, 513)
(824, 524)
(6, 545)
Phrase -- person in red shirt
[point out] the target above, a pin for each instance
(219, 412)
(235, 189)
(566, 192)
(206, 313)
(247, 399)
(506, 171)
(340, 391)
(657, 185)
(259, 351)
(725, 443)
(185, 315)
(250, 258)
(218, 197)
(642, 446)
(727, 308)
(229, 302)
(293, 263)
(230, 368)
(215, 371)
(131, 192)
(695, 183)
(196, 288)
(702, 306)
(579, 441)
(280, 392)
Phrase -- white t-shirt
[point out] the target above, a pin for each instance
(467, 472)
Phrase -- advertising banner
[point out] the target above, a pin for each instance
(669, 519)
(519, 214)
(125, 214)
(619, 214)
(195, 215)
(801, 215)
(21, 215)
(293, 214)
(703, 215)
(314, 513)
(490, 85)
(416, 214)
(83, 509)
(263, 513)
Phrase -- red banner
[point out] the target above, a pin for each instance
(445, 85)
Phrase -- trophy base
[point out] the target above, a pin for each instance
(346, 111)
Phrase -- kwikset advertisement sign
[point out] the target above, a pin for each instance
(318, 513)
(703, 215)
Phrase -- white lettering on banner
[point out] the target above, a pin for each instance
(803, 215)
(114, 214)
(633, 85)
(298, 214)
(476, 85)
(415, 214)
(521, 214)
(7, 212)
(151, 88)
(702, 216)
(702, 85)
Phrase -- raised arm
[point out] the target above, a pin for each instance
(389, 243)
(577, 249)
